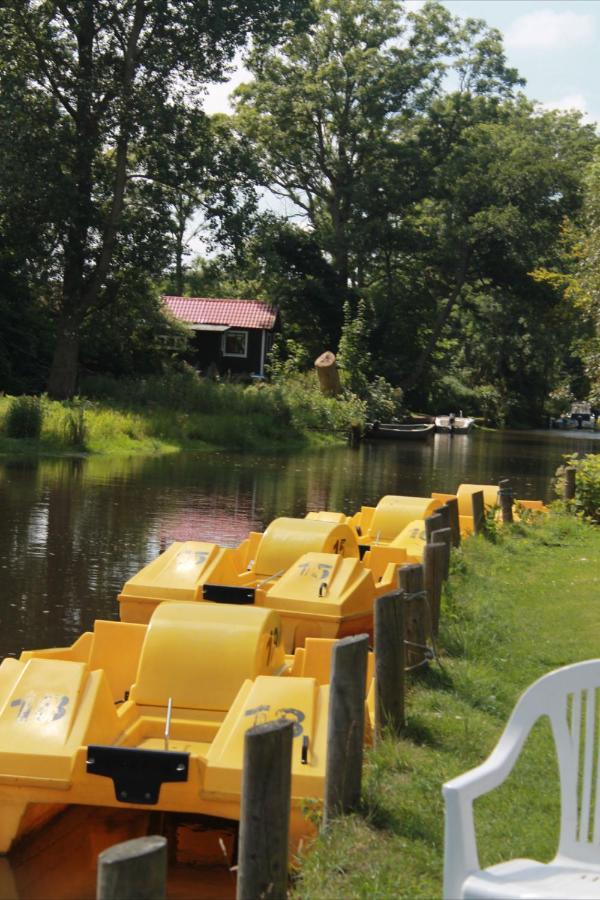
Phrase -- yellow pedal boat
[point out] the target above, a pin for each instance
(308, 570)
(137, 717)
(491, 501)
(393, 530)
(397, 523)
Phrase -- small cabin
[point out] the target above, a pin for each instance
(231, 336)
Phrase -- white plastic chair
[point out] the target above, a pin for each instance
(569, 697)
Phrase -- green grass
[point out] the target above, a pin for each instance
(182, 411)
(513, 610)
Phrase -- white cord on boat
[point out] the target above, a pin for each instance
(168, 722)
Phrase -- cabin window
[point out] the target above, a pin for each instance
(235, 343)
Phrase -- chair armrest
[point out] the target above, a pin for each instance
(460, 843)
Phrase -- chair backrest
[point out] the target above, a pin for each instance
(570, 697)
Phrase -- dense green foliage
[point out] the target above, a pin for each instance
(513, 610)
(23, 418)
(587, 484)
(421, 208)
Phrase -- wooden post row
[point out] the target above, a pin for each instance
(265, 812)
(346, 726)
(434, 565)
(136, 868)
(454, 522)
(415, 612)
(478, 511)
(444, 536)
(432, 523)
(444, 513)
(389, 662)
(505, 496)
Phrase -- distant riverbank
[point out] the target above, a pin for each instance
(173, 413)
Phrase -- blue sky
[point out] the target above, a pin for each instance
(555, 45)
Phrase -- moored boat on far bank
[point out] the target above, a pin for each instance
(452, 424)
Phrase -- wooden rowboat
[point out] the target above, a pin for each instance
(392, 431)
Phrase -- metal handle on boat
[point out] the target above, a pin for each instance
(323, 588)
(270, 578)
(168, 722)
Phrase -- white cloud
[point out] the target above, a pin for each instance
(546, 29)
(569, 102)
(217, 95)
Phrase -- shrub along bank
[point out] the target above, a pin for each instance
(178, 411)
(513, 610)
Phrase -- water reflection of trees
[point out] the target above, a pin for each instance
(73, 530)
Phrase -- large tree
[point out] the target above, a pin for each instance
(105, 73)
(334, 116)
(503, 186)
(429, 186)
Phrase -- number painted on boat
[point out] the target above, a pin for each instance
(322, 571)
(263, 714)
(48, 708)
(191, 559)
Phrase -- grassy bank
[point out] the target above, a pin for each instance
(514, 610)
(176, 412)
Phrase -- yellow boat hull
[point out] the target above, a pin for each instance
(76, 727)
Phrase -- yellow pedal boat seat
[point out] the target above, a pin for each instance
(393, 513)
(199, 655)
(287, 539)
(465, 492)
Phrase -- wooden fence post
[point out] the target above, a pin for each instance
(432, 523)
(505, 496)
(478, 511)
(345, 726)
(444, 536)
(569, 486)
(434, 564)
(444, 512)
(389, 662)
(454, 520)
(265, 812)
(415, 613)
(136, 868)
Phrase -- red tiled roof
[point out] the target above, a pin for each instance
(235, 313)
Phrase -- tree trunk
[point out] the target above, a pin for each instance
(62, 382)
(81, 291)
(180, 219)
(329, 377)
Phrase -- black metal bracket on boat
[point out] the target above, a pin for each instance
(137, 775)
(304, 751)
(226, 593)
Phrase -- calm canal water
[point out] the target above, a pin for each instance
(72, 531)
